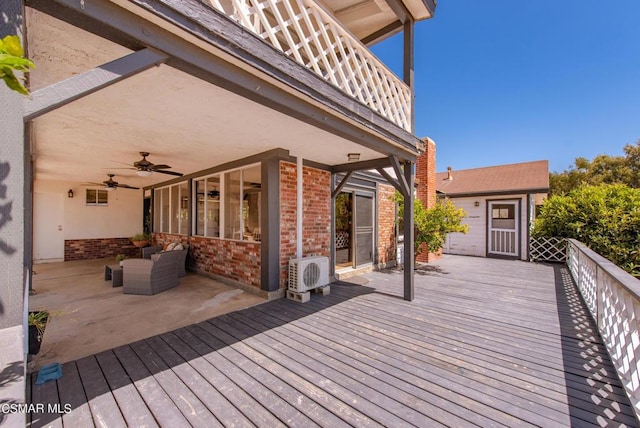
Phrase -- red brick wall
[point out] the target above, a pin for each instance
(236, 260)
(316, 217)
(167, 238)
(426, 185)
(83, 249)
(287, 218)
(386, 224)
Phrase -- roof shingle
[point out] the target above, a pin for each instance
(512, 178)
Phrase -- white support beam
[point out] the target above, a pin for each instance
(59, 94)
(299, 207)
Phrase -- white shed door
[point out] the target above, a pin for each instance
(503, 228)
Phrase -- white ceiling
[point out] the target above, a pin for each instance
(181, 120)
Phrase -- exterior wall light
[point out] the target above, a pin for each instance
(70, 193)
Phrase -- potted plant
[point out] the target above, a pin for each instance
(37, 322)
(120, 258)
(140, 239)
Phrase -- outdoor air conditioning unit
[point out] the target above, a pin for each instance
(308, 273)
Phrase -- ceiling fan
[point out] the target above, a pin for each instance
(110, 184)
(144, 168)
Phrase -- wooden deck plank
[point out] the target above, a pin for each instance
(133, 408)
(187, 375)
(380, 407)
(345, 412)
(44, 395)
(71, 392)
(539, 368)
(159, 403)
(336, 408)
(231, 364)
(438, 330)
(507, 375)
(306, 412)
(224, 376)
(214, 397)
(481, 401)
(485, 343)
(418, 398)
(196, 413)
(101, 401)
(436, 367)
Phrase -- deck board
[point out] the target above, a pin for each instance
(485, 343)
(72, 392)
(102, 404)
(133, 408)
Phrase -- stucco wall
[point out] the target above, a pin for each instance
(121, 218)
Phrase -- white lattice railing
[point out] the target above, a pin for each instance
(613, 298)
(307, 33)
(544, 249)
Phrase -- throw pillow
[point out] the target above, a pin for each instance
(178, 247)
(170, 246)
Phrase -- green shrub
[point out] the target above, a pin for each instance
(606, 218)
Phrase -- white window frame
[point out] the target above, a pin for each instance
(96, 203)
(222, 218)
(158, 202)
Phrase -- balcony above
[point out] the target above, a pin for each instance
(314, 37)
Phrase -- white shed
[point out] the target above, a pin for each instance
(501, 205)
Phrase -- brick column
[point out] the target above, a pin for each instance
(426, 185)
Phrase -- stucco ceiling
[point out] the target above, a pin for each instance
(182, 121)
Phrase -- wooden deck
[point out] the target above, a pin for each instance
(485, 343)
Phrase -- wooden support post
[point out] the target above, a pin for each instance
(409, 175)
(408, 66)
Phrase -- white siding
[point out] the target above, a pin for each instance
(474, 243)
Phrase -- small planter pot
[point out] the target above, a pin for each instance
(140, 244)
(35, 338)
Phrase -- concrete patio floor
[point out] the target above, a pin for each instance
(90, 316)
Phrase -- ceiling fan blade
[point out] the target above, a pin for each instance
(126, 186)
(178, 174)
(157, 167)
(91, 183)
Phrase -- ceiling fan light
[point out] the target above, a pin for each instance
(143, 173)
(109, 189)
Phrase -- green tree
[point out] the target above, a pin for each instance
(431, 225)
(12, 60)
(605, 217)
(603, 169)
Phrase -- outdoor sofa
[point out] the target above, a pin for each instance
(181, 262)
(151, 276)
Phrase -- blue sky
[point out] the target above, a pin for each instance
(505, 81)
